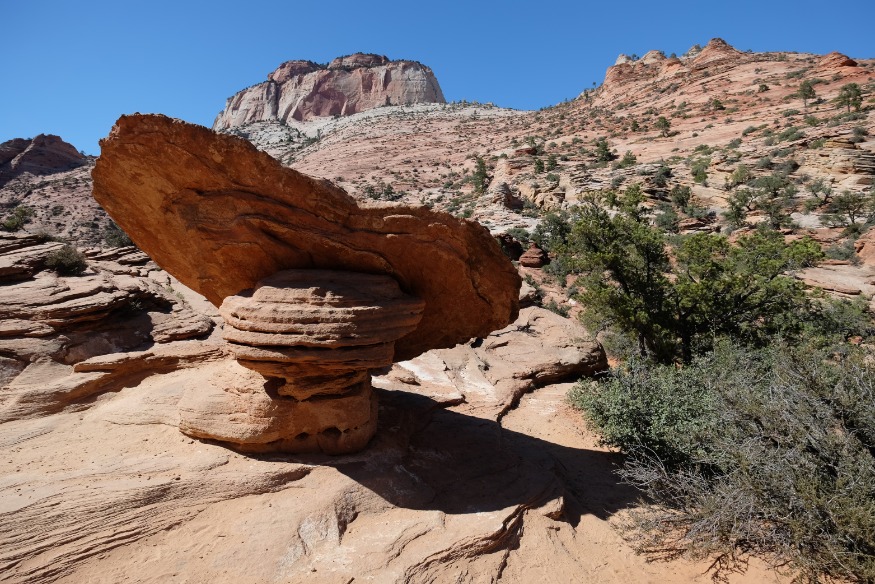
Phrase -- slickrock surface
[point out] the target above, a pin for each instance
(466, 480)
(220, 215)
(302, 90)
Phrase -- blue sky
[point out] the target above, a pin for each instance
(71, 68)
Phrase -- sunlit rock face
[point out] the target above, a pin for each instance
(303, 90)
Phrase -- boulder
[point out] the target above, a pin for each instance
(534, 257)
(220, 216)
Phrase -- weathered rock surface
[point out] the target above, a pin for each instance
(220, 215)
(835, 60)
(539, 348)
(865, 248)
(302, 90)
(45, 154)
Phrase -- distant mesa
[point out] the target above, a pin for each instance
(304, 90)
(45, 154)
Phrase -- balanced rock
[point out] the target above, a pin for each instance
(316, 290)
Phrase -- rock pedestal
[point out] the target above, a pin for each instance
(310, 339)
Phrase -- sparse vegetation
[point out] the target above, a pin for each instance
(114, 236)
(20, 216)
(67, 261)
(850, 96)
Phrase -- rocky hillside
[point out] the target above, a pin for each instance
(303, 90)
(45, 154)
(45, 187)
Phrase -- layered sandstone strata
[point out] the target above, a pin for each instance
(314, 335)
(316, 290)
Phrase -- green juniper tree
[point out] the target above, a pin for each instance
(850, 96)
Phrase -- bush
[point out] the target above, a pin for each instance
(603, 151)
(843, 251)
(114, 236)
(768, 453)
(790, 134)
(675, 305)
(67, 261)
(628, 160)
(20, 216)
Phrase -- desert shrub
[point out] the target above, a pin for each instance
(674, 306)
(19, 217)
(768, 453)
(667, 219)
(552, 231)
(114, 236)
(699, 169)
(67, 261)
(791, 133)
(859, 134)
(739, 176)
(842, 251)
(603, 150)
(521, 235)
(560, 309)
(628, 160)
(661, 175)
(680, 196)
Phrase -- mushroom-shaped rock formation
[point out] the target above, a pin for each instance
(316, 290)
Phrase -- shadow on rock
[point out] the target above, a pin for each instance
(426, 457)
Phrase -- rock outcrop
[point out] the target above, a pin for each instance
(715, 57)
(534, 257)
(45, 154)
(834, 60)
(538, 349)
(302, 90)
(224, 217)
(50, 324)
